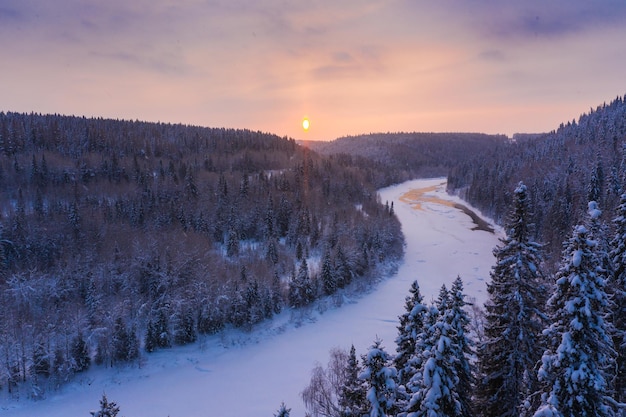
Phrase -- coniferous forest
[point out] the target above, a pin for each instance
(119, 238)
(581, 161)
(549, 345)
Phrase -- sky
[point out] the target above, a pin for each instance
(350, 67)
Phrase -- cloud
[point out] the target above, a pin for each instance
(514, 21)
(493, 55)
(540, 19)
(8, 14)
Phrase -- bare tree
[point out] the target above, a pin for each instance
(321, 396)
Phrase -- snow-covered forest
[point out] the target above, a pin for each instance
(549, 344)
(119, 238)
(123, 239)
(582, 160)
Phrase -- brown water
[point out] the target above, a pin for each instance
(417, 197)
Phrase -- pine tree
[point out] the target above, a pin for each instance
(343, 270)
(579, 348)
(410, 325)
(459, 323)
(436, 394)
(412, 402)
(328, 277)
(107, 409)
(283, 411)
(514, 318)
(80, 354)
(185, 328)
(379, 375)
(121, 342)
(41, 360)
(617, 289)
(301, 291)
(352, 401)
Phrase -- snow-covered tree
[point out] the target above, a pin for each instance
(283, 411)
(352, 401)
(81, 360)
(459, 323)
(617, 289)
(107, 408)
(301, 291)
(514, 318)
(329, 283)
(435, 393)
(599, 232)
(415, 364)
(379, 375)
(409, 327)
(578, 345)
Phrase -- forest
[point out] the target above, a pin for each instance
(400, 157)
(118, 238)
(546, 345)
(581, 161)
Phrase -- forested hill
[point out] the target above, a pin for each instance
(121, 237)
(581, 161)
(404, 156)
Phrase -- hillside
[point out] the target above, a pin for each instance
(580, 161)
(118, 238)
(273, 363)
(404, 156)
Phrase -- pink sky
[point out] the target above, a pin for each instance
(355, 66)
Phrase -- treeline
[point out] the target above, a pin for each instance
(399, 157)
(546, 345)
(580, 161)
(122, 237)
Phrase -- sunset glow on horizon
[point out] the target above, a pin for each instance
(359, 66)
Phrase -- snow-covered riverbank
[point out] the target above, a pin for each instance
(223, 376)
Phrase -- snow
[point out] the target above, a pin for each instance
(593, 210)
(577, 257)
(251, 374)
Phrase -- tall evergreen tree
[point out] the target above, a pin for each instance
(412, 403)
(437, 394)
(107, 408)
(352, 401)
(283, 411)
(379, 375)
(81, 360)
(514, 318)
(579, 347)
(409, 327)
(459, 323)
(617, 289)
(328, 277)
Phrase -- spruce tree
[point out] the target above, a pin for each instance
(579, 347)
(617, 289)
(459, 323)
(514, 318)
(283, 411)
(81, 359)
(107, 408)
(415, 364)
(410, 326)
(352, 401)
(328, 277)
(379, 375)
(437, 394)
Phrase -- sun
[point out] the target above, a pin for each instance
(305, 124)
